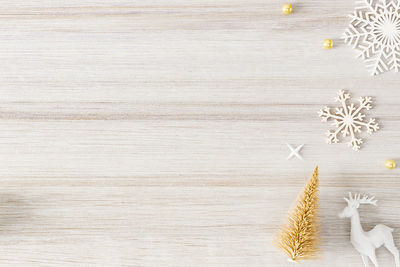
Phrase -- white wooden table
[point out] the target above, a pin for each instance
(152, 133)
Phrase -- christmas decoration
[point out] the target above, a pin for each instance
(287, 9)
(299, 237)
(366, 242)
(327, 43)
(348, 120)
(374, 31)
(390, 164)
(294, 152)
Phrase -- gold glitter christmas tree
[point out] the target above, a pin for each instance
(299, 237)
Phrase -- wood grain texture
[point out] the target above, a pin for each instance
(152, 133)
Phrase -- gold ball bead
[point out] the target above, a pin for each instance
(328, 43)
(287, 9)
(390, 164)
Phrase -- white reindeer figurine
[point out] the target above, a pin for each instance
(366, 242)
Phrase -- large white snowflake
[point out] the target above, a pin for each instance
(348, 120)
(374, 31)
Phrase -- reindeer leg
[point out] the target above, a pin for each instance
(395, 253)
(389, 244)
(372, 257)
(365, 260)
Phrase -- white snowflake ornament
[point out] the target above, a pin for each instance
(348, 120)
(374, 31)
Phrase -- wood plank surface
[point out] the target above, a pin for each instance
(152, 133)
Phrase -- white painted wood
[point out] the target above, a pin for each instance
(153, 133)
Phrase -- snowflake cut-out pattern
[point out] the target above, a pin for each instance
(348, 119)
(374, 31)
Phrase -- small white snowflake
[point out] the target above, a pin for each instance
(374, 31)
(348, 119)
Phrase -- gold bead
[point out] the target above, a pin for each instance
(328, 43)
(390, 164)
(287, 9)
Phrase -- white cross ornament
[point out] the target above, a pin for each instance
(294, 151)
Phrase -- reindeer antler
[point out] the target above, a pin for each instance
(367, 200)
(350, 199)
(364, 200)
